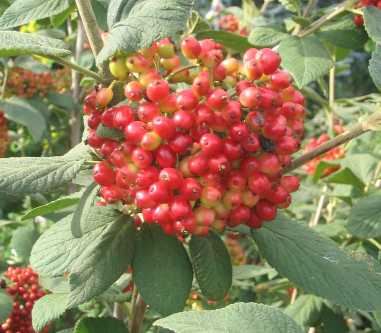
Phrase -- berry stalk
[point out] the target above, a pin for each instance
(370, 124)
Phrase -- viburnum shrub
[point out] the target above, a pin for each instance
(21, 283)
(4, 140)
(208, 155)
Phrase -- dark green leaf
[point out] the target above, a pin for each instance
(333, 322)
(306, 310)
(22, 241)
(83, 210)
(6, 305)
(110, 133)
(345, 176)
(212, 265)
(318, 265)
(63, 100)
(102, 263)
(343, 33)
(48, 308)
(24, 11)
(313, 58)
(140, 27)
(365, 217)
(267, 36)
(322, 167)
(100, 325)
(235, 318)
(51, 207)
(230, 40)
(375, 67)
(22, 112)
(164, 258)
(372, 19)
(14, 43)
(36, 174)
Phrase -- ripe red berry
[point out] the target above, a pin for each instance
(103, 174)
(157, 90)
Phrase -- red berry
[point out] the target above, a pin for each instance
(103, 174)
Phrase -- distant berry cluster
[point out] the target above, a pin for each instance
(22, 285)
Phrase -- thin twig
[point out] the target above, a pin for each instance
(5, 79)
(181, 69)
(75, 67)
(311, 4)
(75, 121)
(315, 220)
(340, 8)
(356, 131)
(118, 311)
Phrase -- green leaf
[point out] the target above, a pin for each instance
(291, 5)
(22, 112)
(375, 67)
(345, 176)
(36, 174)
(48, 308)
(102, 263)
(365, 217)
(110, 133)
(100, 11)
(164, 258)
(362, 165)
(306, 310)
(267, 36)
(313, 58)
(117, 10)
(13, 43)
(86, 204)
(100, 325)
(318, 265)
(6, 306)
(238, 317)
(22, 241)
(372, 19)
(51, 207)
(23, 11)
(343, 33)
(333, 322)
(140, 27)
(230, 40)
(63, 100)
(57, 249)
(212, 265)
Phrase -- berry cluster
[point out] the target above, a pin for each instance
(331, 155)
(206, 156)
(359, 19)
(231, 23)
(24, 83)
(4, 140)
(61, 80)
(23, 287)
(236, 250)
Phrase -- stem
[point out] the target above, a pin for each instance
(327, 17)
(75, 67)
(75, 121)
(314, 222)
(369, 124)
(137, 314)
(182, 69)
(264, 6)
(331, 91)
(311, 4)
(118, 311)
(5, 79)
(90, 24)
